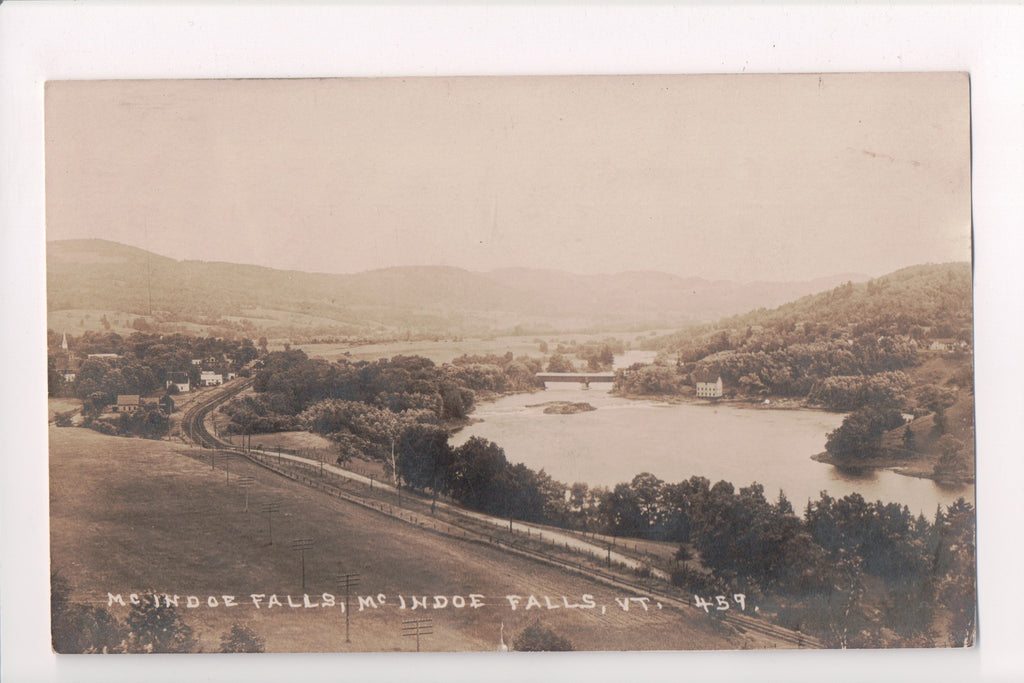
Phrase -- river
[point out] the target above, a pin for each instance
(625, 437)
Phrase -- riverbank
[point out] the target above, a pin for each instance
(733, 402)
(920, 468)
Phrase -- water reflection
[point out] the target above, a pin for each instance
(847, 473)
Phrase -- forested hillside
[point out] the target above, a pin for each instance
(896, 346)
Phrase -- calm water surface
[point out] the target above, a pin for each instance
(624, 437)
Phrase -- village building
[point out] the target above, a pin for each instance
(103, 355)
(708, 383)
(210, 379)
(197, 361)
(127, 403)
(166, 404)
(179, 380)
(69, 376)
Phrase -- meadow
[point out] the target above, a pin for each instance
(136, 516)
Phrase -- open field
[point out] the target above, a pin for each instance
(443, 351)
(61, 405)
(130, 515)
(289, 440)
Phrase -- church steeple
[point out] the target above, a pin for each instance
(64, 342)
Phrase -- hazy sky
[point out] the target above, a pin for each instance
(731, 177)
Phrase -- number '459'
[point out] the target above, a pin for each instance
(720, 603)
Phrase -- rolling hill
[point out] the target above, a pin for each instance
(232, 299)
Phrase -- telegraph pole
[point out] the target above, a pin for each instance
(301, 545)
(349, 581)
(270, 509)
(417, 628)
(246, 483)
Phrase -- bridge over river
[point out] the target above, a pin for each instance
(584, 378)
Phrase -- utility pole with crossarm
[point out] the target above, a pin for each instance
(417, 628)
(301, 545)
(349, 581)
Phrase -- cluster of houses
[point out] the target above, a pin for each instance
(67, 365)
(207, 378)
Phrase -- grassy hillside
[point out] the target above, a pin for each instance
(130, 515)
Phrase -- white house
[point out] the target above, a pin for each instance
(178, 380)
(210, 379)
(709, 384)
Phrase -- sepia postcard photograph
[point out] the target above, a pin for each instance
(511, 363)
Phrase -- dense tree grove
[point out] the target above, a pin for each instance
(651, 379)
(537, 638)
(366, 407)
(242, 639)
(796, 368)
(854, 573)
(849, 392)
(860, 435)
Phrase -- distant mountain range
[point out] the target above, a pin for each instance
(99, 275)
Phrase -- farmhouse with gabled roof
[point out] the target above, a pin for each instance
(127, 403)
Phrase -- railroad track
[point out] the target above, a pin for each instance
(193, 422)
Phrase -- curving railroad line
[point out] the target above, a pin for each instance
(193, 422)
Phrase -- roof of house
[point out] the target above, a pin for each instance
(180, 377)
(706, 376)
(127, 399)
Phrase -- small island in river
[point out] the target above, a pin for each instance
(563, 407)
